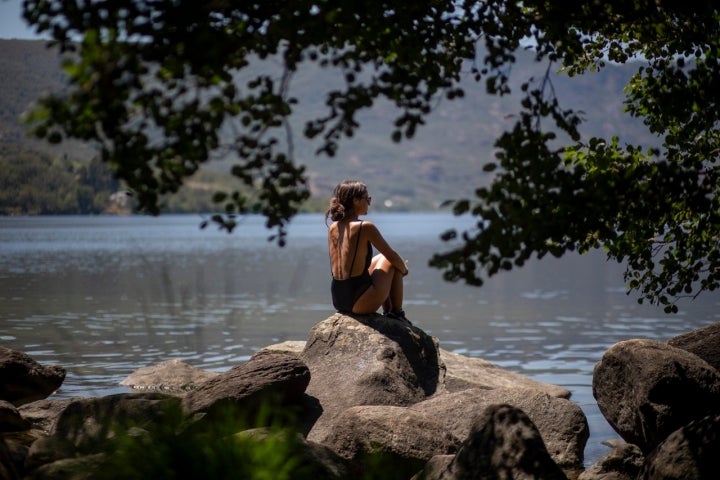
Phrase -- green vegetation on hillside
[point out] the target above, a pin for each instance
(33, 183)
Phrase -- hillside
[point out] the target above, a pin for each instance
(28, 69)
(443, 161)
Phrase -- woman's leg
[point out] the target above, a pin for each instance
(386, 289)
(396, 292)
(387, 303)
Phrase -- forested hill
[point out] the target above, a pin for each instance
(443, 161)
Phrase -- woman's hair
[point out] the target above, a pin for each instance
(341, 203)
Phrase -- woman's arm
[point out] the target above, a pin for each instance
(376, 238)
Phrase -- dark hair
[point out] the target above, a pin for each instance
(341, 203)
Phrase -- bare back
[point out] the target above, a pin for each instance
(347, 242)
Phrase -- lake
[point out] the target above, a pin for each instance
(103, 296)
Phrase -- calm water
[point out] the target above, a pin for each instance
(103, 296)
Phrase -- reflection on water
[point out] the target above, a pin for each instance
(103, 296)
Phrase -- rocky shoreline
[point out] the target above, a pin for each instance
(370, 397)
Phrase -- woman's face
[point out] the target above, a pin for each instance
(362, 203)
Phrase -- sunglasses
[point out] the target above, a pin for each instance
(368, 198)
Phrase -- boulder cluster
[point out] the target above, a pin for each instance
(368, 397)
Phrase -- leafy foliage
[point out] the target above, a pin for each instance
(656, 209)
(230, 446)
(159, 86)
(154, 83)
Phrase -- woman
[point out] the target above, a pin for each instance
(361, 282)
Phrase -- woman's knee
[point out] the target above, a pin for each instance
(380, 262)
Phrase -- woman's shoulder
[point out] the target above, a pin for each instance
(353, 225)
(369, 226)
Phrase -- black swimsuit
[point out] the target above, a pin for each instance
(346, 292)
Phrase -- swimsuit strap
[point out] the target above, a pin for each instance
(356, 249)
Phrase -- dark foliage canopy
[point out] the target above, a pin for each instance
(157, 85)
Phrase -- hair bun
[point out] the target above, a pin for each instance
(338, 212)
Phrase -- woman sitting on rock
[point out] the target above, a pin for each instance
(358, 286)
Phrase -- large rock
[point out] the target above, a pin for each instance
(703, 342)
(8, 470)
(171, 376)
(276, 377)
(623, 462)
(472, 372)
(561, 423)
(368, 360)
(295, 347)
(48, 450)
(434, 468)
(462, 372)
(396, 439)
(91, 427)
(692, 451)
(10, 419)
(503, 443)
(23, 380)
(43, 414)
(647, 389)
(75, 468)
(91, 424)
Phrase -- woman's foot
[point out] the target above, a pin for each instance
(397, 315)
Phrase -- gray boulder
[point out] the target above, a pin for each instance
(368, 360)
(462, 372)
(434, 468)
(75, 468)
(16, 437)
(561, 423)
(268, 377)
(10, 461)
(8, 471)
(365, 369)
(623, 462)
(23, 380)
(43, 414)
(397, 441)
(692, 451)
(171, 376)
(295, 347)
(10, 419)
(647, 389)
(48, 450)
(89, 426)
(503, 444)
(472, 372)
(703, 342)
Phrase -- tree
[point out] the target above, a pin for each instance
(35, 184)
(159, 84)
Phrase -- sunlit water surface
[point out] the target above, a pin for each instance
(103, 296)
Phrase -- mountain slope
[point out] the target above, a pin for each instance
(443, 161)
